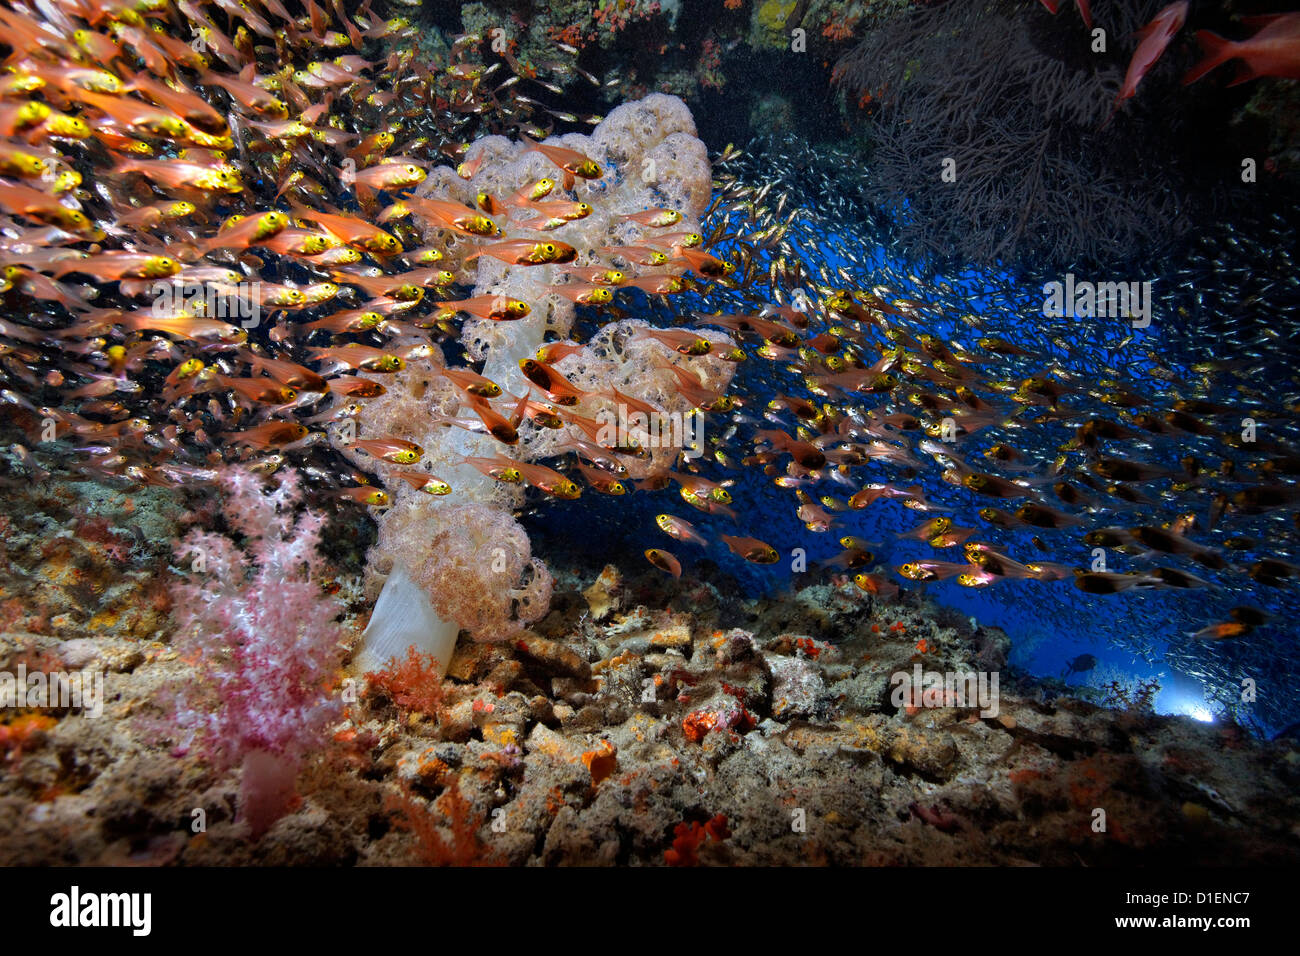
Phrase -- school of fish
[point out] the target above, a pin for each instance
(213, 144)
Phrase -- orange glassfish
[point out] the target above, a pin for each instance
(549, 481)
(498, 426)
(373, 145)
(498, 308)
(373, 497)
(470, 382)
(269, 434)
(559, 388)
(597, 456)
(454, 216)
(986, 559)
(566, 209)
(496, 468)
(241, 232)
(355, 355)
(534, 191)
(258, 389)
(527, 252)
(751, 549)
(351, 386)
(655, 218)
(815, 519)
(805, 453)
(1108, 582)
(159, 52)
(423, 481)
(977, 579)
(389, 176)
(1041, 516)
(692, 389)
(701, 487)
(664, 561)
(543, 225)
(408, 286)
(994, 486)
(1049, 571)
(289, 373)
(673, 241)
(571, 161)
(635, 404)
(468, 169)
(350, 320)
(553, 352)
(181, 100)
(246, 92)
(777, 333)
(602, 480)
(851, 558)
(155, 214)
(40, 286)
(489, 204)
(1221, 631)
(657, 284)
(934, 570)
(293, 241)
(876, 584)
(680, 529)
(183, 371)
(353, 231)
(175, 174)
(15, 161)
(543, 415)
(601, 275)
(136, 116)
(183, 325)
(640, 255)
(114, 265)
(34, 204)
(397, 450)
(685, 341)
(583, 294)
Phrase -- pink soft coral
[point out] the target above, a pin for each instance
(264, 640)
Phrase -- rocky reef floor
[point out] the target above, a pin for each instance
(643, 721)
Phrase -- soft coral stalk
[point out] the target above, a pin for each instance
(265, 641)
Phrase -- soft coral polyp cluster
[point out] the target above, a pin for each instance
(474, 561)
(264, 639)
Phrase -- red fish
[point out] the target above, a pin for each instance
(751, 549)
(664, 561)
(1273, 51)
(269, 434)
(1155, 37)
(1085, 9)
(571, 161)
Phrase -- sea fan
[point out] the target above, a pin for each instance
(1017, 100)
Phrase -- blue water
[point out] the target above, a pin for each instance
(1138, 635)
